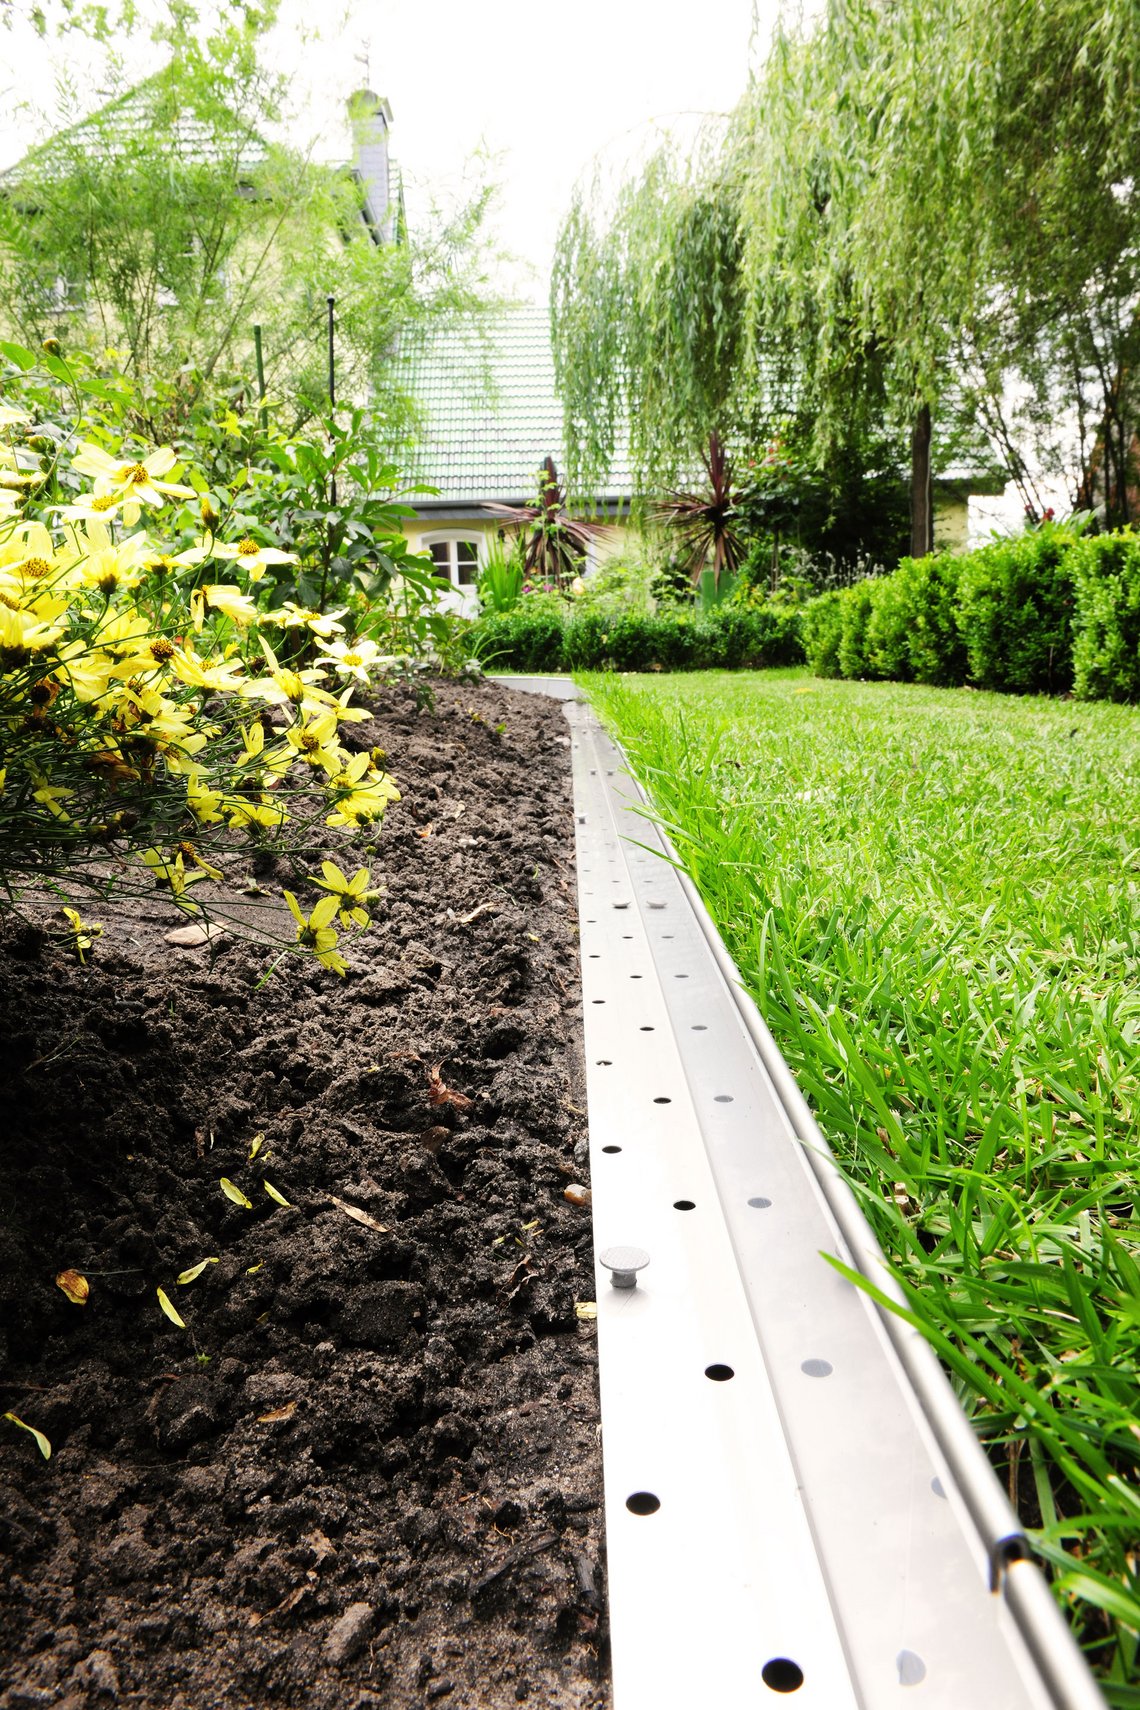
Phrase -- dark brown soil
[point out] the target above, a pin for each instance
(367, 1472)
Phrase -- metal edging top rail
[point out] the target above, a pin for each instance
(794, 1544)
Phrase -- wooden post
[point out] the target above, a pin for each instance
(921, 492)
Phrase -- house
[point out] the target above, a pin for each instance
(489, 415)
(202, 206)
(488, 418)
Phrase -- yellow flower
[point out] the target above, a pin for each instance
(24, 633)
(314, 741)
(264, 813)
(285, 687)
(362, 793)
(85, 935)
(249, 554)
(316, 933)
(202, 674)
(351, 894)
(231, 602)
(292, 616)
(85, 670)
(203, 802)
(353, 660)
(170, 875)
(135, 483)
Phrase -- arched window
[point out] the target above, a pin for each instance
(454, 556)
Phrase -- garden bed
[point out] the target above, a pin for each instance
(367, 1472)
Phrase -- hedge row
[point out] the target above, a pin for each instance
(728, 638)
(1043, 613)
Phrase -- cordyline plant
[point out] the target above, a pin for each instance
(706, 522)
(553, 543)
(142, 707)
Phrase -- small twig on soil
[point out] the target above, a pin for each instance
(52, 1056)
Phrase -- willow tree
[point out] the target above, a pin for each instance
(915, 204)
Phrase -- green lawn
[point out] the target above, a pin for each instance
(933, 897)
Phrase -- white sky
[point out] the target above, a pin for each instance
(543, 89)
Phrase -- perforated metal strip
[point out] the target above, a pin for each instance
(795, 1502)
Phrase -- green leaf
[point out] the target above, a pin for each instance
(41, 1441)
(194, 1272)
(273, 1194)
(235, 1193)
(170, 1309)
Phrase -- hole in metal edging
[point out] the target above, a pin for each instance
(816, 1368)
(604, 1062)
(723, 1098)
(684, 1205)
(699, 1027)
(611, 1148)
(937, 1487)
(719, 1374)
(647, 1030)
(759, 1203)
(781, 1674)
(662, 1101)
(912, 1669)
(643, 1502)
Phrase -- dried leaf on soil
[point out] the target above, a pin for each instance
(585, 1309)
(189, 1276)
(273, 1194)
(170, 1309)
(74, 1286)
(577, 1194)
(41, 1441)
(235, 1193)
(359, 1216)
(286, 1411)
(256, 1144)
(440, 1094)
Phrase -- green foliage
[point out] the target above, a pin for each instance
(142, 707)
(1106, 577)
(728, 638)
(163, 226)
(931, 897)
(855, 611)
(821, 627)
(500, 583)
(1015, 612)
(851, 511)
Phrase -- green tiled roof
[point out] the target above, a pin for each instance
(489, 413)
(125, 124)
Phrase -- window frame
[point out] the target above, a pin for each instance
(453, 538)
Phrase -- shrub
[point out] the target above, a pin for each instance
(889, 626)
(821, 628)
(855, 611)
(928, 590)
(727, 639)
(1015, 612)
(142, 707)
(1106, 579)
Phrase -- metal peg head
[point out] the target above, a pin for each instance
(623, 1264)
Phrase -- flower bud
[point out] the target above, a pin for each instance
(52, 346)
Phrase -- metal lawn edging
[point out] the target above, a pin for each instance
(842, 1539)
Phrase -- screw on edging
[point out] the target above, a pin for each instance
(623, 1264)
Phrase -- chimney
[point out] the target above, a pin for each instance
(371, 117)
